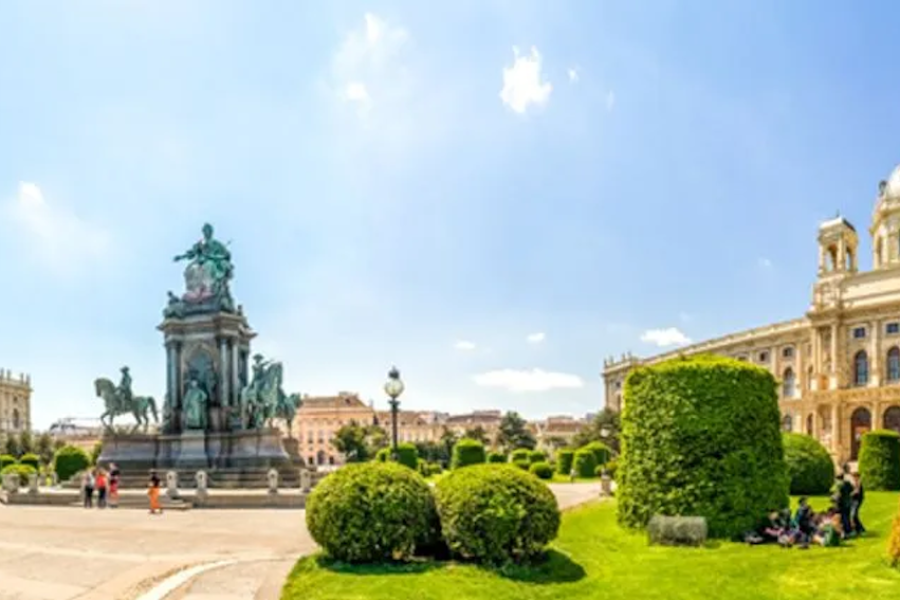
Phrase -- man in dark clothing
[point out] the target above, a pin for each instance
(844, 493)
(803, 520)
(856, 500)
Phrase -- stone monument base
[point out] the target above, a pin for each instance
(237, 459)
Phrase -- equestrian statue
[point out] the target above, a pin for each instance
(263, 401)
(119, 400)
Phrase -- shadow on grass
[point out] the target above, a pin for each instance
(552, 568)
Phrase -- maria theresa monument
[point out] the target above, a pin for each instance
(216, 414)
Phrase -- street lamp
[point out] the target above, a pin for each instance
(393, 387)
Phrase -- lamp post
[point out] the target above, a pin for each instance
(393, 387)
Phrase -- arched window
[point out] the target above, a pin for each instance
(861, 368)
(787, 423)
(879, 252)
(849, 261)
(860, 423)
(809, 424)
(892, 418)
(893, 364)
(15, 419)
(787, 385)
(810, 374)
(832, 258)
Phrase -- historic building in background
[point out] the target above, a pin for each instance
(838, 366)
(15, 402)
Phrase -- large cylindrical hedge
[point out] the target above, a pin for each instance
(496, 513)
(601, 452)
(68, 461)
(809, 465)
(585, 464)
(468, 452)
(879, 460)
(564, 461)
(369, 512)
(701, 437)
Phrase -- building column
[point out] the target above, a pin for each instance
(171, 394)
(179, 384)
(875, 353)
(235, 384)
(816, 358)
(834, 357)
(835, 427)
(224, 392)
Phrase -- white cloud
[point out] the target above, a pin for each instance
(536, 338)
(573, 75)
(522, 82)
(464, 345)
(610, 100)
(671, 336)
(764, 263)
(366, 71)
(533, 380)
(58, 236)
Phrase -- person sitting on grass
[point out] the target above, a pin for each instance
(775, 528)
(828, 529)
(802, 528)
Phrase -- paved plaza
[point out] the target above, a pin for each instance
(69, 553)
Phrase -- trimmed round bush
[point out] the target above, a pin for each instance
(536, 456)
(31, 459)
(520, 454)
(543, 470)
(70, 460)
(496, 458)
(879, 460)
(601, 452)
(22, 470)
(701, 436)
(6, 460)
(467, 452)
(435, 469)
(564, 460)
(383, 455)
(372, 512)
(585, 464)
(408, 455)
(496, 513)
(522, 463)
(808, 464)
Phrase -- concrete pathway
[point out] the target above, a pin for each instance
(70, 553)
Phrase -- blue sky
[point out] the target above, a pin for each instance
(396, 180)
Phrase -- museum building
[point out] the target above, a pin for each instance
(15, 402)
(838, 366)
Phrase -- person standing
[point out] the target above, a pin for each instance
(844, 494)
(113, 485)
(102, 487)
(856, 498)
(87, 489)
(153, 493)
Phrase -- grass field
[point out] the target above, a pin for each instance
(593, 558)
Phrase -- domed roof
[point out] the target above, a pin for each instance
(890, 189)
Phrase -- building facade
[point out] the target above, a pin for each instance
(838, 365)
(15, 402)
(319, 418)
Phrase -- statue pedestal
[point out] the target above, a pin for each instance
(189, 450)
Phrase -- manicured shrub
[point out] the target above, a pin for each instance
(520, 454)
(467, 452)
(383, 455)
(23, 471)
(435, 469)
(496, 513)
(496, 457)
(522, 463)
(69, 460)
(564, 460)
(808, 464)
(6, 460)
(611, 468)
(543, 470)
(31, 459)
(408, 455)
(585, 463)
(370, 512)
(536, 456)
(879, 460)
(701, 437)
(601, 452)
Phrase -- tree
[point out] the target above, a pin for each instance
(26, 442)
(45, 448)
(448, 440)
(433, 452)
(555, 442)
(350, 440)
(12, 446)
(607, 421)
(477, 433)
(514, 433)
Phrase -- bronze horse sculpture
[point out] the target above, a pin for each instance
(141, 407)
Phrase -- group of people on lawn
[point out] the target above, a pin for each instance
(840, 522)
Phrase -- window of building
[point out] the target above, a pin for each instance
(788, 383)
(763, 356)
(618, 385)
(893, 364)
(810, 375)
(861, 368)
(788, 352)
(892, 328)
(787, 423)
(859, 333)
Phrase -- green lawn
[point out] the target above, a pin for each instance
(594, 558)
